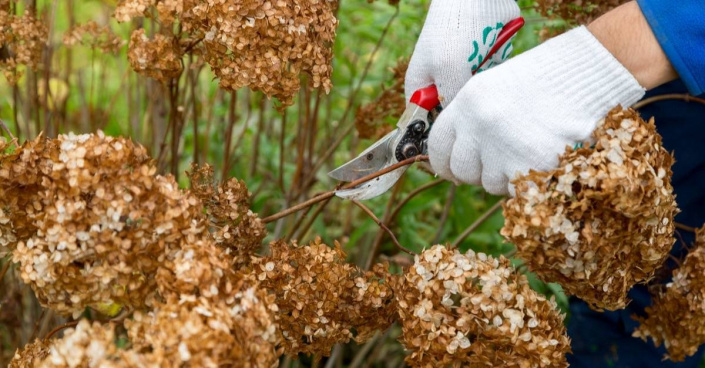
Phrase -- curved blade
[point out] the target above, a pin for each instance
(372, 188)
(369, 161)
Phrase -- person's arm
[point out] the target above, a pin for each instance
(627, 35)
(679, 27)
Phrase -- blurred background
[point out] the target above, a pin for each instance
(83, 82)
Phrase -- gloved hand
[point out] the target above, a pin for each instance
(455, 39)
(522, 114)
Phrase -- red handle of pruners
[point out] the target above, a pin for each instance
(506, 34)
(426, 97)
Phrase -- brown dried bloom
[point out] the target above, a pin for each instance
(266, 45)
(94, 36)
(126, 10)
(371, 119)
(576, 11)
(199, 332)
(321, 299)
(677, 317)
(211, 315)
(102, 217)
(602, 221)
(22, 38)
(92, 345)
(158, 58)
(30, 355)
(460, 310)
(233, 225)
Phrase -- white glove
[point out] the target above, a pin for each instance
(522, 114)
(455, 39)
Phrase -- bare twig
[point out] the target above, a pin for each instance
(334, 357)
(360, 356)
(61, 327)
(477, 223)
(5, 268)
(353, 184)
(8, 132)
(685, 227)
(445, 214)
(383, 226)
(125, 314)
(229, 134)
(665, 97)
(411, 195)
(374, 249)
(304, 229)
(346, 131)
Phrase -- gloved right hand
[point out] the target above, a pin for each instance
(522, 114)
(455, 39)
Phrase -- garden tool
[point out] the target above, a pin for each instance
(408, 140)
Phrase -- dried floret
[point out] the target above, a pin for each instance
(266, 45)
(30, 355)
(22, 38)
(576, 11)
(94, 36)
(233, 225)
(158, 58)
(210, 314)
(602, 221)
(472, 310)
(126, 10)
(371, 119)
(100, 220)
(92, 345)
(677, 317)
(321, 299)
(198, 332)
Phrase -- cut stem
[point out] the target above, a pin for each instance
(383, 226)
(477, 223)
(326, 195)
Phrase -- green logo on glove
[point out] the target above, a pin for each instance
(479, 53)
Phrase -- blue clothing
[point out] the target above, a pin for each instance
(604, 339)
(679, 27)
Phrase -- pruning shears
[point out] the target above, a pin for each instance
(408, 140)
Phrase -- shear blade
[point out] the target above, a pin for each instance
(372, 188)
(369, 161)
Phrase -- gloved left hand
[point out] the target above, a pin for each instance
(455, 39)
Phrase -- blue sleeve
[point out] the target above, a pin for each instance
(679, 27)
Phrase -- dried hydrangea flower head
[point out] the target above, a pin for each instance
(371, 119)
(30, 355)
(576, 11)
(94, 36)
(158, 58)
(233, 225)
(322, 300)
(265, 45)
(23, 38)
(103, 220)
(460, 310)
(211, 315)
(677, 317)
(602, 221)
